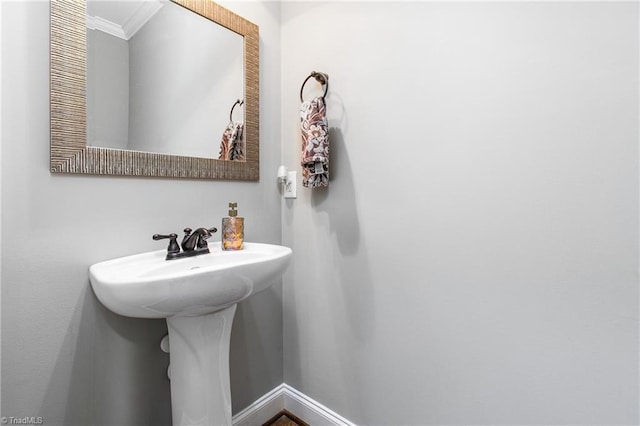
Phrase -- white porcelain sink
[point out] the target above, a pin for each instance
(148, 286)
(198, 297)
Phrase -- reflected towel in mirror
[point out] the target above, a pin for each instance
(232, 144)
(315, 143)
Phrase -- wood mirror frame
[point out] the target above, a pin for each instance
(69, 152)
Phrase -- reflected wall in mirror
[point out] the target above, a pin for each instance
(153, 105)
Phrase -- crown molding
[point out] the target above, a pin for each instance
(140, 16)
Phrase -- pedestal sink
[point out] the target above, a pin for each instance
(198, 297)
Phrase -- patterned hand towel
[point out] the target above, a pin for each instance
(232, 144)
(315, 143)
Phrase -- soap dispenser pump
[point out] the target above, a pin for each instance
(233, 230)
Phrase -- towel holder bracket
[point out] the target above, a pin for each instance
(320, 77)
(238, 103)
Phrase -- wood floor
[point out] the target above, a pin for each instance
(284, 421)
(285, 418)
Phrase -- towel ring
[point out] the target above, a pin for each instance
(321, 78)
(238, 102)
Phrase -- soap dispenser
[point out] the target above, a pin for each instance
(233, 230)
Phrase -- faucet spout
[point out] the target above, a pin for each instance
(193, 243)
(197, 239)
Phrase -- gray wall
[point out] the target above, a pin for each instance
(64, 356)
(107, 90)
(475, 259)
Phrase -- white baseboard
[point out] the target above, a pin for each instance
(261, 410)
(310, 410)
(284, 397)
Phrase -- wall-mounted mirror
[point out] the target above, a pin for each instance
(154, 88)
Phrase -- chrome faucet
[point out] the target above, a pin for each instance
(193, 243)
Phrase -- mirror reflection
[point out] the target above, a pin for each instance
(163, 79)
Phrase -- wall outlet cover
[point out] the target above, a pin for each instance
(291, 185)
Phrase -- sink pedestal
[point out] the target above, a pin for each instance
(200, 385)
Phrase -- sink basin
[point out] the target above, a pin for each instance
(198, 297)
(148, 286)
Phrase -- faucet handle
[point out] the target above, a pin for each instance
(173, 243)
